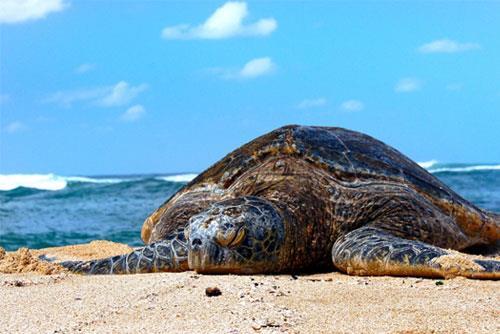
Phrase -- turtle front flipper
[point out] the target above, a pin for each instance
(165, 255)
(373, 251)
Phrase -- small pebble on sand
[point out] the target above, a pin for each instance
(213, 291)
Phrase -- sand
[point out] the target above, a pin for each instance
(177, 302)
(25, 260)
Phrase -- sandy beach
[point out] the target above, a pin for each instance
(177, 302)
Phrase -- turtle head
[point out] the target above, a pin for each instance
(241, 235)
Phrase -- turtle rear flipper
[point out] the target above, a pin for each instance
(165, 255)
(373, 251)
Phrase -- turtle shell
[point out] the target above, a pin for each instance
(354, 158)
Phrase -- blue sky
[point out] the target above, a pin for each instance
(91, 87)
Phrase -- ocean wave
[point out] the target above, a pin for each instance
(178, 178)
(465, 169)
(46, 181)
(433, 166)
(55, 182)
(85, 179)
(427, 164)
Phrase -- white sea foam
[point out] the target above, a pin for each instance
(465, 169)
(37, 181)
(427, 164)
(178, 178)
(434, 167)
(45, 181)
(92, 180)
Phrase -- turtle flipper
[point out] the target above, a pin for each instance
(373, 251)
(165, 255)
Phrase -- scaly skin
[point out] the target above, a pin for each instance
(339, 197)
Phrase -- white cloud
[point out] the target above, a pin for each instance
(110, 96)
(257, 67)
(407, 85)
(15, 126)
(133, 113)
(16, 11)
(352, 105)
(84, 68)
(252, 69)
(312, 103)
(68, 98)
(225, 22)
(121, 94)
(447, 46)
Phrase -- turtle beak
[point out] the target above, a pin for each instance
(204, 255)
(195, 253)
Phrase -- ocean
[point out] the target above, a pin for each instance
(47, 210)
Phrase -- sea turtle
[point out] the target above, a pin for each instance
(308, 198)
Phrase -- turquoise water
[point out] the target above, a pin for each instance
(49, 210)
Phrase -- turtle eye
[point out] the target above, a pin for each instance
(231, 238)
(224, 239)
(239, 238)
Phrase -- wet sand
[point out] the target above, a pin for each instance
(177, 302)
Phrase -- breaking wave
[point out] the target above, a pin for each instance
(178, 178)
(427, 164)
(55, 182)
(464, 169)
(434, 166)
(46, 181)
